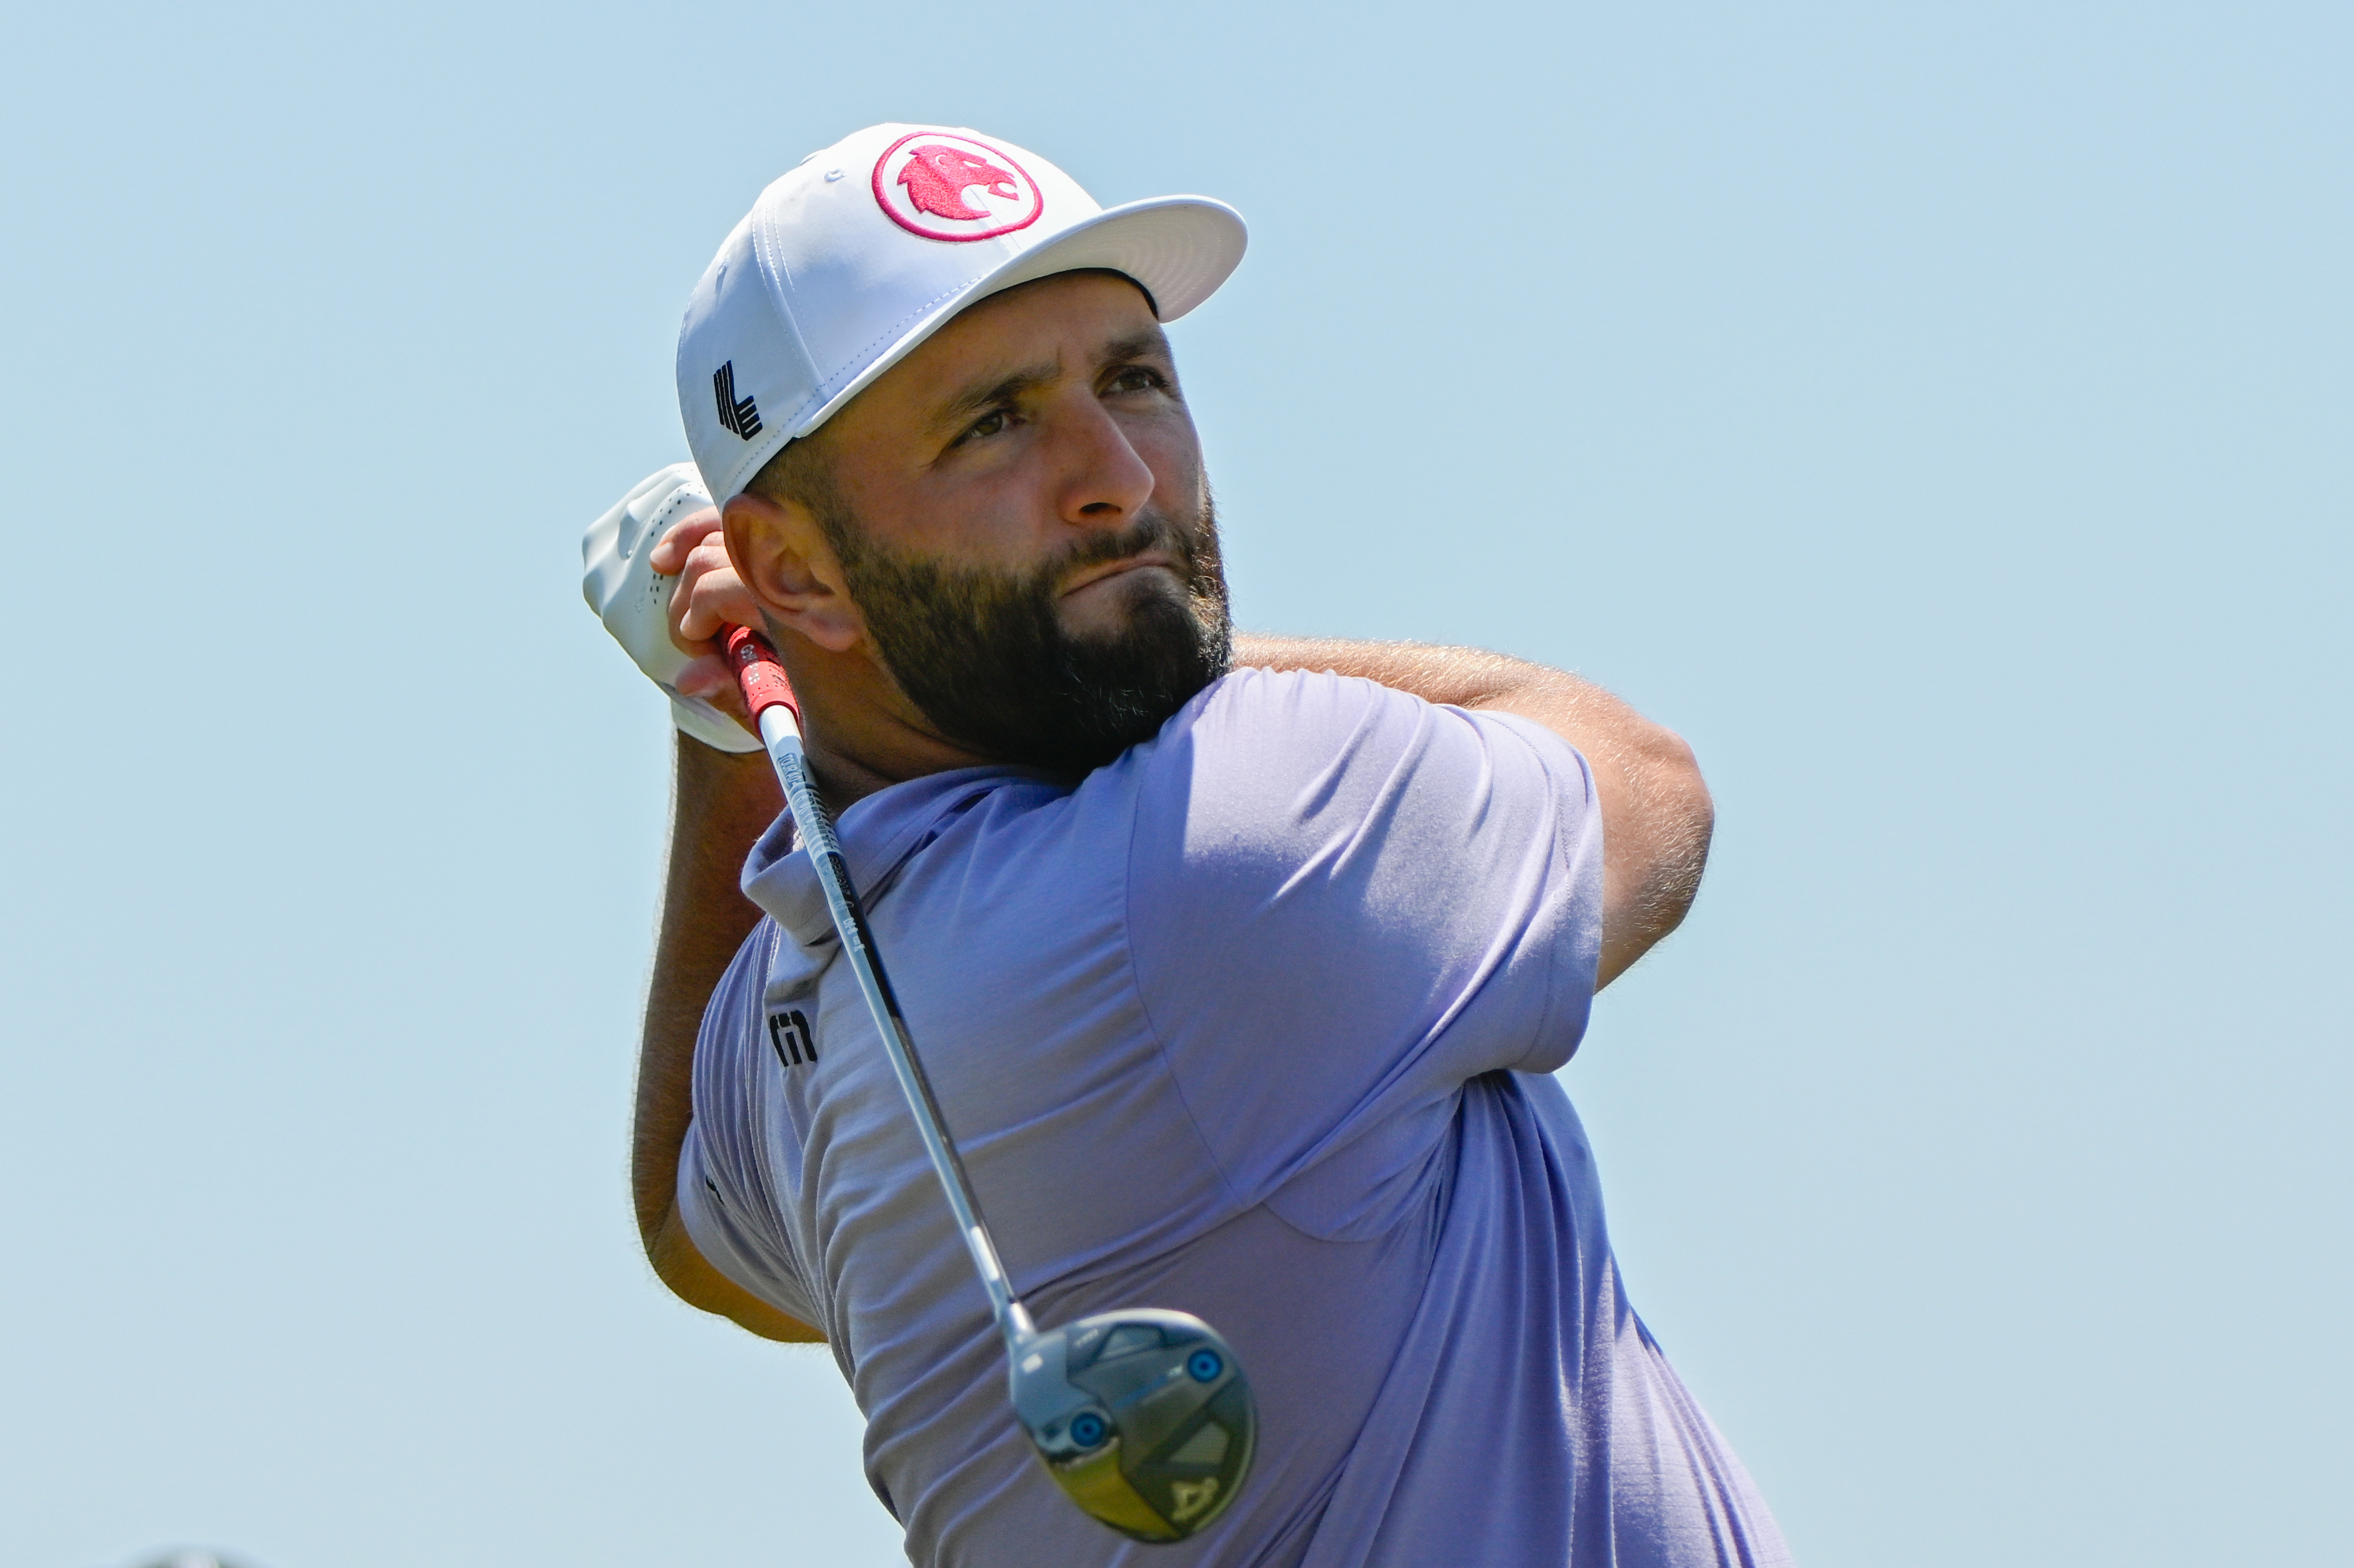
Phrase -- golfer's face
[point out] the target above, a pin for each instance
(1037, 420)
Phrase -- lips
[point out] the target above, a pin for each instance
(1111, 569)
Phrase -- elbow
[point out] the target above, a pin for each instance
(692, 1278)
(1652, 867)
(1686, 815)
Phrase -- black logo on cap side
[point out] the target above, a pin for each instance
(741, 416)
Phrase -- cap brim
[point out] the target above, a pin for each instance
(1179, 247)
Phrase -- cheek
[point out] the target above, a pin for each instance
(974, 518)
(1175, 459)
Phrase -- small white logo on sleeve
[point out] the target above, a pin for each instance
(954, 188)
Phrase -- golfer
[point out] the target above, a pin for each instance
(1240, 966)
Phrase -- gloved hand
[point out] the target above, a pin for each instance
(633, 600)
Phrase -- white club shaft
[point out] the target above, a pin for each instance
(783, 739)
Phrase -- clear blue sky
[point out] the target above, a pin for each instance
(1938, 414)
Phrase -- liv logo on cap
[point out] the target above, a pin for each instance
(954, 188)
(742, 415)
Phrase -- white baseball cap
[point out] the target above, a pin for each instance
(847, 263)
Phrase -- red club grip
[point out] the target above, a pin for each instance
(757, 672)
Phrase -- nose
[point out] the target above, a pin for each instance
(1106, 481)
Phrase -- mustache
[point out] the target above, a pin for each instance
(1152, 529)
(1196, 552)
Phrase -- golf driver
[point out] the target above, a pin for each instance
(1143, 1416)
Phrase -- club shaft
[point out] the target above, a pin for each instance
(782, 736)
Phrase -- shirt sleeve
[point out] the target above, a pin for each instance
(727, 1198)
(1343, 904)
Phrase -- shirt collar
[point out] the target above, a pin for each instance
(878, 834)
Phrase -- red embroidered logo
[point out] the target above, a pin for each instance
(953, 188)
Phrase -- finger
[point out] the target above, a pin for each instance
(689, 628)
(710, 598)
(703, 580)
(711, 679)
(720, 601)
(670, 551)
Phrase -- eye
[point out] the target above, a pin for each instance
(1136, 379)
(993, 423)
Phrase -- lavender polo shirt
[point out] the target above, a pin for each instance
(1257, 1022)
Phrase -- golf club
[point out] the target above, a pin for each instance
(1143, 1416)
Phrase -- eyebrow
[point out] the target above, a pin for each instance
(1146, 345)
(971, 403)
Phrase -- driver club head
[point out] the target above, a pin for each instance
(1143, 1416)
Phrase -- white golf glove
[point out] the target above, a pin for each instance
(633, 600)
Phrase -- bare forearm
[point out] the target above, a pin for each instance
(1461, 677)
(1656, 810)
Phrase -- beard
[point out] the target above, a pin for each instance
(984, 656)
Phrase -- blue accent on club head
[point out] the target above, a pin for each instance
(1205, 1365)
(1088, 1430)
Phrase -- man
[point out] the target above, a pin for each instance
(1240, 968)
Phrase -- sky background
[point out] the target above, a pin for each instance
(1938, 414)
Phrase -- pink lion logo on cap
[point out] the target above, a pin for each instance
(937, 175)
(953, 188)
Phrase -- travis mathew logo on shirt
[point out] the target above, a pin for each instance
(789, 1033)
(741, 415)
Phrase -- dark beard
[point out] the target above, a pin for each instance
(984, 656)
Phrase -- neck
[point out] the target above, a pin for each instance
(861, 732)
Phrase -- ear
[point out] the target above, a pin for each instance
(781, 554)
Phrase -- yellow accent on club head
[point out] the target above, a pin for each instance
(1096, 1484)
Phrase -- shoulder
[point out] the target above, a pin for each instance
(1286, 812)
(1378, 897)
(1299, 708)
(1255, 729)
(1314, 715)
(1292, 757)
